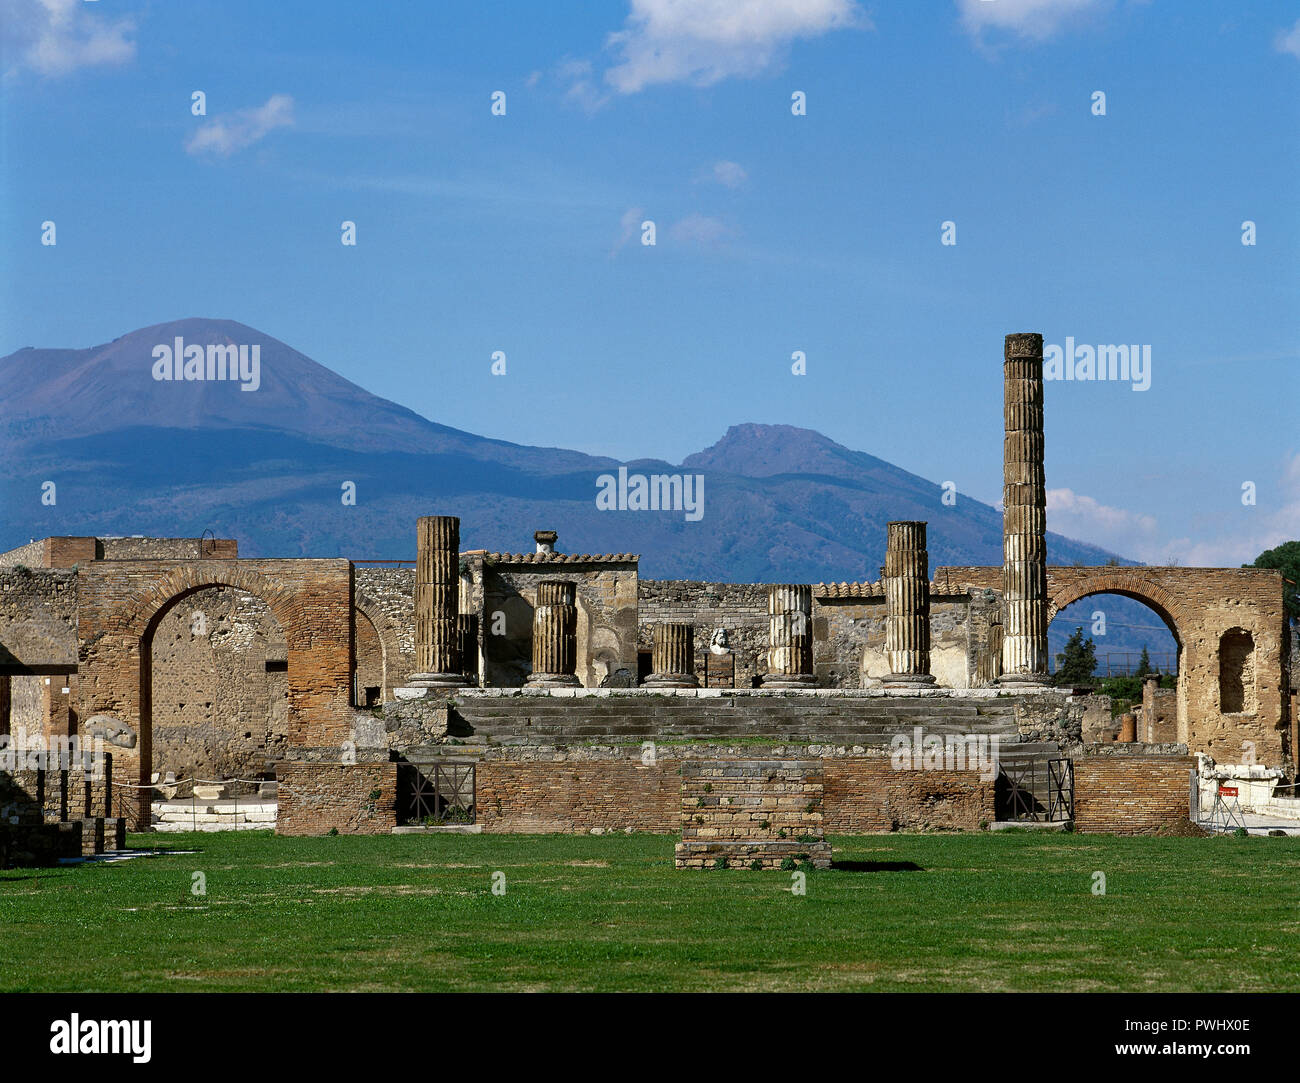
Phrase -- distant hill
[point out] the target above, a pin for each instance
(133, 454)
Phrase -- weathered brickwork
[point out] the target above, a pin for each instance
(121, 603)
(578, 796)
(386, 599)
(1200, 605)
(848, 623)
(1132, 795)
(352, 799)
(865, 795)
(738, 608)
(219, 687)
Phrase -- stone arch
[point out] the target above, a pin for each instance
(1127, 584)
(389, 641)
(1130, 583)
(369, 662)
(173, 587)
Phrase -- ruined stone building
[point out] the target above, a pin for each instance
(548, 671)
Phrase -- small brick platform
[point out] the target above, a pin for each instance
(759, 814)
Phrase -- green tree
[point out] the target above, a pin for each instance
(1076, 664)
(1144, 664)
(1286, 559)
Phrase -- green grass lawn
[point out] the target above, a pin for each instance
(898, 912)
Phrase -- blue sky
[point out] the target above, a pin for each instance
(775, 232)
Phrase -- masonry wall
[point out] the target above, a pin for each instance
(738, 608)
(606, 627)
(578, 796)
(865, 795)
(1132, 795)
(120, 602)
(386, 597)
(315, 798)
(220, 690)
(38, 650)
(1200, 604)
(848, 623)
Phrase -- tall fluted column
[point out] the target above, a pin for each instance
(907, 598)
(555, 635)
(437, 602)
(789, 623)
(673, 657)
(1024, 516)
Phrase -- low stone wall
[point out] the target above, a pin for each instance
(1132, 795)
(867, 795)
(352, 799)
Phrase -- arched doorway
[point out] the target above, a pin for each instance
(369, 675)
(215, 663)
(1125, 626)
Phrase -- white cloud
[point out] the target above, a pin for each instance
(56, 37)
(225, 135)
(1078, 516)
(1033, 20)
(1288, 41)
(705, 41)
(1242, 536)
(699, 230)
(728, 174)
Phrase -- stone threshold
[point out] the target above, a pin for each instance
(1031, 825)
(444, 829)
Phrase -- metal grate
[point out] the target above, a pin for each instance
(437, 793)
(1037, 789)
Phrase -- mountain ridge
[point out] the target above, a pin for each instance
(132, 454)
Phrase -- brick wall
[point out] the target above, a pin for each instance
(120, 602)
(1132, 795)
(577, 796)
(865, 795)
(218, 710)
(740, 608)
(317, 797)
(862, 795)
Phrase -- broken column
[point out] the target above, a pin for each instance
(907, 598)
(555, 635)
(1024, 516)
(673, 657)
(789, 655)
(437, 603)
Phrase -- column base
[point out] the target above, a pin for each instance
(671, 680)
(907, 680)
(1023, 682)
(425, 682)
(552, 680)
(790, 680)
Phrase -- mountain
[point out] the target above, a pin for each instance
(131, 454)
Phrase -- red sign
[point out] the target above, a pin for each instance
(1227, 791)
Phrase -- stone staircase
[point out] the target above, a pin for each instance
(867, 722)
